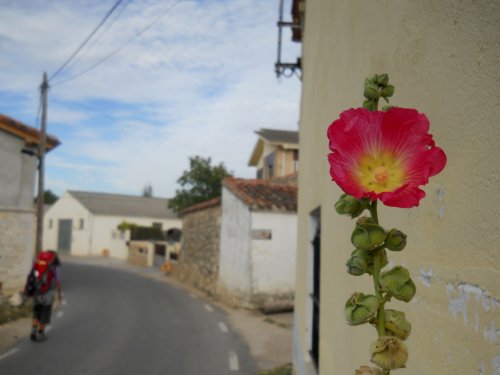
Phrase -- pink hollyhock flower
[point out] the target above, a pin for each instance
(383, 155)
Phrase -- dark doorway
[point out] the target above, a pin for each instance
(160, 254)
(64, 236)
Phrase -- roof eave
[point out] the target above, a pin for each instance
(256, 153)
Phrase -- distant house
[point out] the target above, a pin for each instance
(276, 153)
(19, 144)
(257, 243)
(86, 223)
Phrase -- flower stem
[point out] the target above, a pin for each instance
(376, 277)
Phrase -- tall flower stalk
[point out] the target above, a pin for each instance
(381, 155)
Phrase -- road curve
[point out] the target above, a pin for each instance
(118, 322)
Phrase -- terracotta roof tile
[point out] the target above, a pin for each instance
(263, 194)
(201, 206)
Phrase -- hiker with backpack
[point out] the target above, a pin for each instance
(42, 284)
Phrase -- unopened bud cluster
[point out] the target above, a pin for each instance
(375, 88)
(371, 242)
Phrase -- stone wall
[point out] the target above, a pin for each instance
(16, 248)
(138, 254)
(199, 258)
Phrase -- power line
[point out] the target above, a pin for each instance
(98, 38)
(168, 10)
(86, 40)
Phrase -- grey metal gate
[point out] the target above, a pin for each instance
(64, 236)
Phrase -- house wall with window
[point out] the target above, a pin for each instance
(93, 234)
(257, 248)
(273, 269)
(275, 154)
(67, 208)
(442, 57)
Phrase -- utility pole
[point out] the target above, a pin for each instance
(41, 166)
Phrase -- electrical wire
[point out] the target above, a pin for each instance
(58, 71)
(168, 10)
(98, 38)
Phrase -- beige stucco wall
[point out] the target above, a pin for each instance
(443, 57)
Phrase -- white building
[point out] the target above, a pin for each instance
(85, 223)
(19, 145)
(258, 242)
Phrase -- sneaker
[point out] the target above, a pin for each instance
(33, 337)
(41, 337)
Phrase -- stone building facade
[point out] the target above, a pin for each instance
(19, 145)
(199, 258)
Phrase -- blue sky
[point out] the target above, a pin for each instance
(200, 81)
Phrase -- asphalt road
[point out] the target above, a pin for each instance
(117, 322)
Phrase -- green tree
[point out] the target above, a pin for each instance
(48, 197)
(200, 183)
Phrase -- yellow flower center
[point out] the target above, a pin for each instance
(380, 172)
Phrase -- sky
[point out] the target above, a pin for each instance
(174, 79)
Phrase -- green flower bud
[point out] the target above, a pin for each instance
(397, 281)
(360, 308)
(357, 264)
(370, 105)
(382, 79)
(365, 370)
(367, 235)
(395, 240)
(387, 91)
(371, 90)
(389, 352)
(396, 324)
(348, 205)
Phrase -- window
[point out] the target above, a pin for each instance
(81, 223)
(122, 235)
(315, 283)
(269, 166)
(50, 223)
(113, 234)
(157, 225)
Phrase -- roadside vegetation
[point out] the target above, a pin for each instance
(281, 370)
(10, 313)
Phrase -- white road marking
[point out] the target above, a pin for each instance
(8, 353)
(209, 308)
(223, 327)
(59, 314)
(233, 362)
(192, 296)
(64, 303)
(47, 329)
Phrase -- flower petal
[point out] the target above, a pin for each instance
(385, 155)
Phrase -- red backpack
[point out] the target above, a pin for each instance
(41, 275)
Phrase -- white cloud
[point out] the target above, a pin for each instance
(199, 82)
